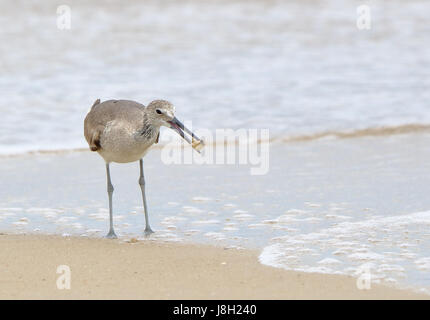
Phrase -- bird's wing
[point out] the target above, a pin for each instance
(101, 114)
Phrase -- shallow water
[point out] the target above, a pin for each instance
(295, 67)
(330, 205)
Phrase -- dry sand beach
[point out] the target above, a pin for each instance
(105, 269)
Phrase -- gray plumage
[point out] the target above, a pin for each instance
(123, 131)
(120, 130)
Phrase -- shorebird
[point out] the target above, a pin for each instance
(123, 131)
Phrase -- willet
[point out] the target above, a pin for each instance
(122, 131)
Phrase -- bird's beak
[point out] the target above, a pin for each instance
(179, 127)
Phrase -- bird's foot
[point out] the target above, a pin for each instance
(148, 231)
(111, 235)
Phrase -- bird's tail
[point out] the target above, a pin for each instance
(95, 103)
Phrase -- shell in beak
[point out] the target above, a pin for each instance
(182, 130)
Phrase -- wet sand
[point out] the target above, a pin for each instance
(106, 269)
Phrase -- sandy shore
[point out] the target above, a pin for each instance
(105, 269)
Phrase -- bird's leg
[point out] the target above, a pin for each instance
(148, 229)
(111, 234)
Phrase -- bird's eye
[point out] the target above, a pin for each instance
(158, 111)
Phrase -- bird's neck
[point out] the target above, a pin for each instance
(148, 131)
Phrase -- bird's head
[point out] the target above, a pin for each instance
(162, 113)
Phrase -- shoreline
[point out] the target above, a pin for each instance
(377, 132)
(106, 269)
